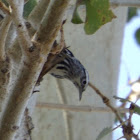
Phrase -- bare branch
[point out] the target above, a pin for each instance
(106, 101)
(10, 37)
(38, 12)
(138, 133)
(29, 70)
(127, 128)
(20, 95)
(4, 8)
(135, 136)
(121, 138)
(23, 36)
(4, 82)
(119, 125)
(5, 64)
(53, 57)
(24, 132)
(57, 48)
(3, 35)
(78, 108)
(51, 23)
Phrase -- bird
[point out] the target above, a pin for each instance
(71, 68)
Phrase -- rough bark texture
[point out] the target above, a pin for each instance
(21, 63)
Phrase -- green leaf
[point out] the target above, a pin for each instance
(104, 132)
(137, 109)
(29, 7)
(137, 36)
(76, 18)
(97, 14)
(121, 99)
(132, 11)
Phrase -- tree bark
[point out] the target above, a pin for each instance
(33, 55)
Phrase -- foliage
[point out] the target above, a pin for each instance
(97, 14)
(76, 19)
(121, 99)
(29, 7)
(132, 12)
(136, 108)
(104, 132)
(137, 36)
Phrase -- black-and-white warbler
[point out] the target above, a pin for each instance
(71, 69)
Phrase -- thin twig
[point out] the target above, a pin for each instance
(119, 125)
(4, 8)
(120, 138)
(131, 112)
(134, 94)
(135, 136)
(138, 133)
(127, 128)
(106, 101)
(78, 108)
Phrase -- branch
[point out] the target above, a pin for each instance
(126, 128)
(4, 83)
(130, 125)
(20, 96)
(106, 101)
(51, 24)
(11, 37)
(57, 48)
(53, 57)
(78, 108)
(24, 132)
(4, 8)
(4, 64)
(23, 36)
(38, 12)
(3, 35)
(29, 68)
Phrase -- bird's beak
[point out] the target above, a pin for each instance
(80, 94)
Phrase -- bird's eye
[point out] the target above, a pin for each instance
(84, 82)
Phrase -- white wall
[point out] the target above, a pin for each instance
(100, 54)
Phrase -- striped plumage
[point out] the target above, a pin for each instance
(71, 68)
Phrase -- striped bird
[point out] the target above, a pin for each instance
(71, 69)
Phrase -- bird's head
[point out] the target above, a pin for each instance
(81, 82)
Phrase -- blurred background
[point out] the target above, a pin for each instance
(129, 76)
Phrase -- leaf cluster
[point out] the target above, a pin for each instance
(98, 13)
